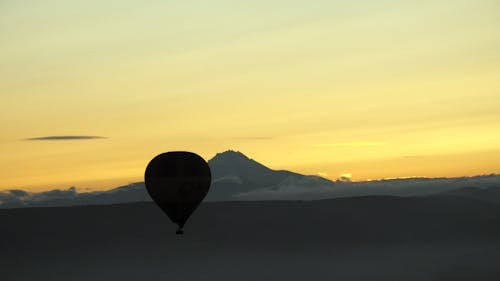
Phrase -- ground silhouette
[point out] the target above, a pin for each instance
(362, 238)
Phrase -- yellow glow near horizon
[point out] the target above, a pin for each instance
(354, 143)
(373, 89)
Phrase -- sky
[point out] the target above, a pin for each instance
(362, 89)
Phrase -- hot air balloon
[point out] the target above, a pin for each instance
(177, 182)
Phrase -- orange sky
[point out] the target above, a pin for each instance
(319, 87)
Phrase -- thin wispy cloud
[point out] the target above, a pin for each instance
(254, 138)
(64, 138)
(351, 144)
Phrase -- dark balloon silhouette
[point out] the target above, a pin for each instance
(178, 181)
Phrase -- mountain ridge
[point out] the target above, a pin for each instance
(232, 167)
(235, 176)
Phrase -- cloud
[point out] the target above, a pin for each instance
(322, 174)
(13, 198)
(21, 198)
(135, 192)
(345, 177)
(59, 138)
(254, 138)
(292, 188)
(308, 190)
(351, 144)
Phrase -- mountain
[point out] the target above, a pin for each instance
(234, 174)
(238, 177)
(235, 164)
(234, 177)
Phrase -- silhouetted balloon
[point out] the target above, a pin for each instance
(178, 181)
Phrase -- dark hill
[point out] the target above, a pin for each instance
(363, 238)
(489, 194)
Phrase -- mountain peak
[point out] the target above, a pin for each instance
(233, 162)
(230, 155)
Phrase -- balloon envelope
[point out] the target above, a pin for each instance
(177, 182)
